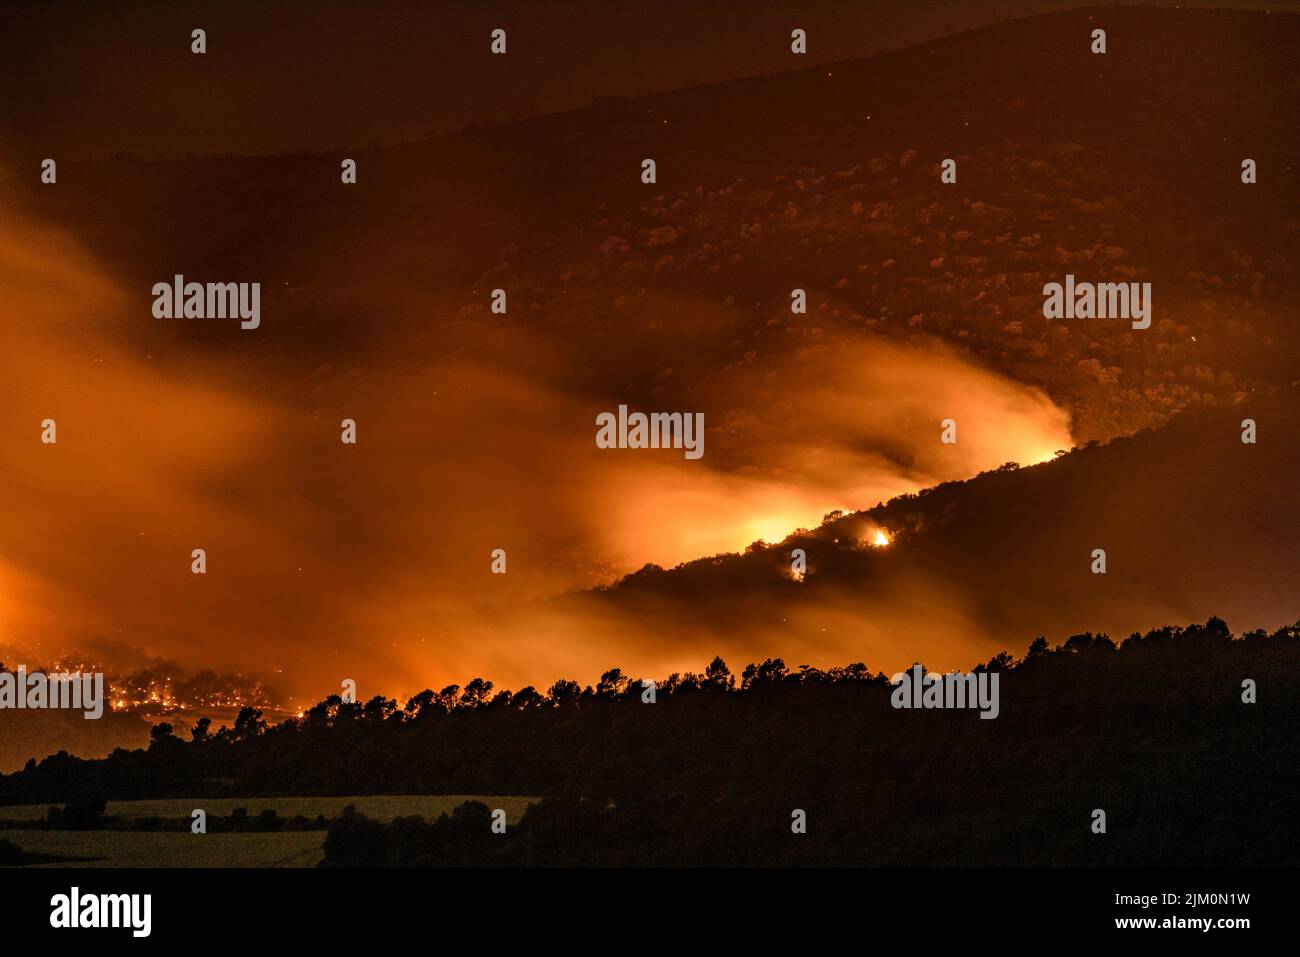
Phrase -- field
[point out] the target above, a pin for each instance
(115, 848)
(179, 849)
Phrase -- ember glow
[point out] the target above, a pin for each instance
(158, 687)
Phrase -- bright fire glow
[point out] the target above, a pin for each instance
(881, 538)
(771, 530)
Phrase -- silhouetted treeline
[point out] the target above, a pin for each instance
(87, 813)
(1153, 731)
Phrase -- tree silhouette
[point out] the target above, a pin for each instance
(710, 772)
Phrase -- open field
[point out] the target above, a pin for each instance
(168, 849)
(180, 848)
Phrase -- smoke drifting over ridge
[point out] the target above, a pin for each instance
(374, 559)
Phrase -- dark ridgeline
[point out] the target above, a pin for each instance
(1191, 518)
(1153, 731)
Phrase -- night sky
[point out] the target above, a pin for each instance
(86, 80)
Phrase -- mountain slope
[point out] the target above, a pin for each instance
(1121, 167)
(1193, 522)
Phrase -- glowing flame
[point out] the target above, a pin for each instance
(880, 539)
(770, 530)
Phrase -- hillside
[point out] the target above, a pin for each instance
(1194, 523)
(1125, 165)
(1152, 732)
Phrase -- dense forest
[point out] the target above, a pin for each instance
(1157, 731)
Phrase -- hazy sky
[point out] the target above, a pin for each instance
(94, 79)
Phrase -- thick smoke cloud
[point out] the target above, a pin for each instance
(327, 561)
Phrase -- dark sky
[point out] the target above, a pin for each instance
(87, 80)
